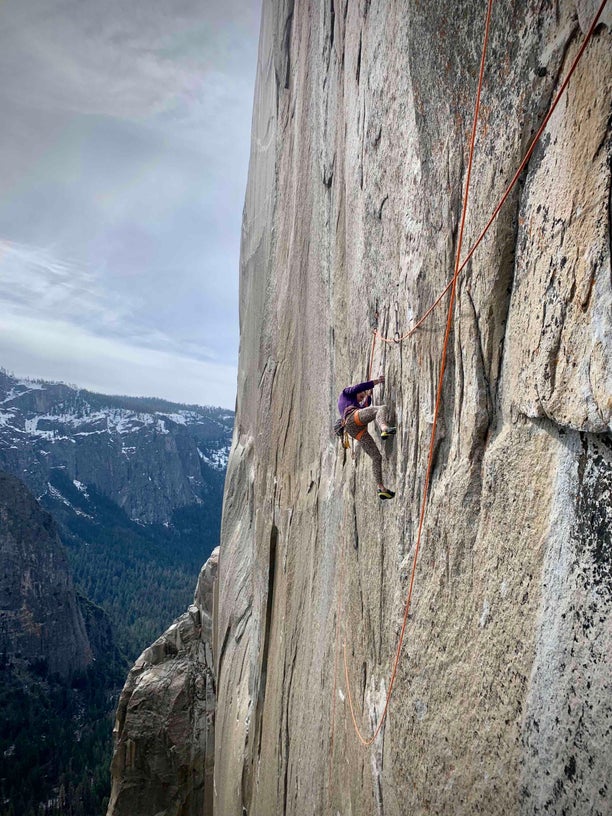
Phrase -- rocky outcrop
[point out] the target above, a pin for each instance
(502, 701)
(165, 723)
(41, 625)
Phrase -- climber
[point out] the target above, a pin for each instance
(356, 410)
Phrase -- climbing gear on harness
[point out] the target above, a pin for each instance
(341, 432)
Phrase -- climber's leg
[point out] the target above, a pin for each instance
(382, 416)
(380, 413)
(371, 448)
(356, 426)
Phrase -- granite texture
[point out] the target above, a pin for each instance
(165, 722)
(502, 699)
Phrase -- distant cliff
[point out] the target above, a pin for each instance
(148, 456)
(134, 485)
(41, 625)
(502, 701)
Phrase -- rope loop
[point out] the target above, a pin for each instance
(397, 337)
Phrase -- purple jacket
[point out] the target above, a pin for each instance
(348, 398)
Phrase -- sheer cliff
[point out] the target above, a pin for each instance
(502, 697)
(135, 486)
(40, 618)
(501, 701)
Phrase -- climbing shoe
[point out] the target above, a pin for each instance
(386, 494)
(387, 432)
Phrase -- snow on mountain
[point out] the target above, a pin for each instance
(149, 456)
(74, 414)
(85, 420)
(217, 459)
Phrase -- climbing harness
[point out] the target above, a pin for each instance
(359, 424)
(398, 338)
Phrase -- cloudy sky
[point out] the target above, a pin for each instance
(123, 159)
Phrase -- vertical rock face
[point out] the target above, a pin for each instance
(41, 625)
(164, 730)
(502, 698)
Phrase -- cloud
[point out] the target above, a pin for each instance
(123, 162)
(129, 60)
(34, 281)
(42, 290)
(57, 350)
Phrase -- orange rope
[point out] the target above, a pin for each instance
(510, 186)
(449, 322)
(453, 286)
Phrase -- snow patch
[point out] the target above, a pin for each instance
(216, 459)
(179, 419)
(26, 386)
(54, 493)
(80, 486)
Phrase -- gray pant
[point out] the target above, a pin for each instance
(357, 427)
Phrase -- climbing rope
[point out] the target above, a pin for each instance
(452, 285)
(397, 338)
(369, 740)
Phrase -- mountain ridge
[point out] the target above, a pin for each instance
(48, 418)
(135, 485)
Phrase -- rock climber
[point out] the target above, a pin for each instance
(356, 410)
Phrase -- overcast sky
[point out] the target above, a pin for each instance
(124, 142)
